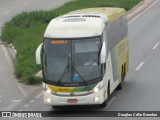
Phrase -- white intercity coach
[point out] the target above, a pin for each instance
(84, 56)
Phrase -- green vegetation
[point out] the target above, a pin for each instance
(25, 31)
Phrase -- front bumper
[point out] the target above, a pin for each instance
(53, 100)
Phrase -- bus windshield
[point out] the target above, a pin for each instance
(72, 62)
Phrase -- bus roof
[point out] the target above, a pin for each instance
(111, 12)
(82, 23)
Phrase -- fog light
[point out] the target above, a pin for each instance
(48, 100)
(96, 98)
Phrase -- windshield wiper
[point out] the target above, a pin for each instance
(80, 76)
(63, 74)
(65, 70)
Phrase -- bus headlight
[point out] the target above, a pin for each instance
(48, 90)
(96, 89)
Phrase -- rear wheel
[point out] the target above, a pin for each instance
(120, 86)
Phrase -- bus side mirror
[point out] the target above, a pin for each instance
(38, 54)
(103, 53)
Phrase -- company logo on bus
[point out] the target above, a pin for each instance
(72, 94)
(63, 90)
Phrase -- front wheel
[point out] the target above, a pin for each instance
(55, 107)
(104, 104)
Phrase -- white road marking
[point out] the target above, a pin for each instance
(140, 65)
(143, 11)
(31, 101)
(156, 45)
(5, 12)
(39, 95)
(16, 100)
(25, 106)
(111, 101)
(26, 4)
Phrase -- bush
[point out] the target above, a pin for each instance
(33, 80)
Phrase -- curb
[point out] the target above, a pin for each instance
(12, 52)
(139, 8)
(11, 66)
(135, 7)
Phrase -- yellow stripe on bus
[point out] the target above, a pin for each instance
(60, 89)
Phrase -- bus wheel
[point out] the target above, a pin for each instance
(104, 104)
(53, 107)
(120, 86)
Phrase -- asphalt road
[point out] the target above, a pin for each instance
(10, 94)
(142, 84)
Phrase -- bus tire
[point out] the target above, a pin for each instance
(120, 86)
(104, 104)
(53, 107)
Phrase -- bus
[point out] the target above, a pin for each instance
(84, 56)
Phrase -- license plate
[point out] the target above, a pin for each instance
(72, 100)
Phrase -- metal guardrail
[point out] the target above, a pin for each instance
(10, 48)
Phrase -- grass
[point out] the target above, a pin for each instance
(25, 31)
